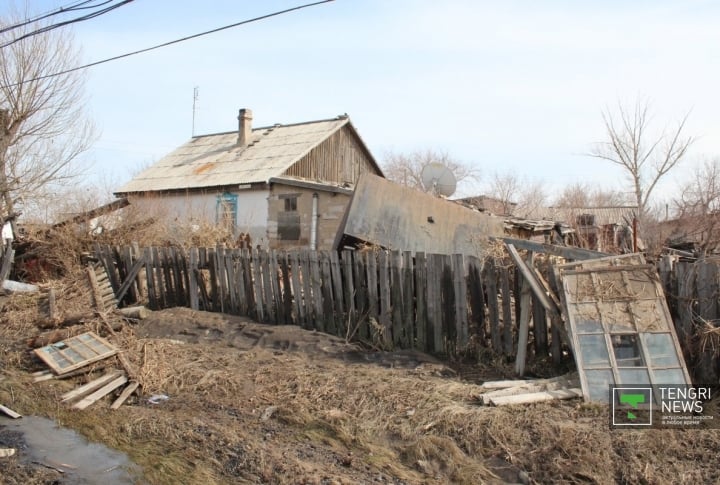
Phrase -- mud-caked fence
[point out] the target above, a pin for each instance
(443, 304)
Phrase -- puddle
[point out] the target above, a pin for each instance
(40, 440)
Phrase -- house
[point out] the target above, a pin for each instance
(280, 186)
(607, 228)
(392, 216)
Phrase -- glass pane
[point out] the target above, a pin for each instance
(593, 350)
(669, 376)
(599, 381)
(627, 351)
(660, 349)
(618, 316)
(586, 317)
(633, 376)
(649, 316)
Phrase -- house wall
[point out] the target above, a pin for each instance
(201, 207)
(331, 208)
(338, 159)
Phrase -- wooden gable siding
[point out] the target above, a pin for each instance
(339, 159)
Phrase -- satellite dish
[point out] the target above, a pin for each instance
(438, 179)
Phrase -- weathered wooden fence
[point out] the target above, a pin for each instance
(430, 302)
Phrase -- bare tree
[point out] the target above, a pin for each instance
(698, 207)
(43, 127)
(406, 169)
(581, 195)
(518, 196)
(645, 157)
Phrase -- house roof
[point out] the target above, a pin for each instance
(216, 160)
(603, 215)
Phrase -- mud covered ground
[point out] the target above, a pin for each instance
(250, 403)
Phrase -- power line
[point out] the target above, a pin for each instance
(176, 41)
(67, 8)
(89, 16)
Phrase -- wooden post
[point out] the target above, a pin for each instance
(247, 277)
(297, 295)
(327, 293)
(524, 324)
(277, 300)
(316, 283)
(461, 307)
(150, 276)
(420, 302)
(489, 276)
(447, 292)
(476, 325)
(346, 262)
(434, 302)
(396, 296)
(258, 285)
(508, 324)
(287, 289)
(539, 318)
(385, 319)
(408, 340)
(192, 275)
(308, 299)
(361, 295)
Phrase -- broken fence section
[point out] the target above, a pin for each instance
(390, 299)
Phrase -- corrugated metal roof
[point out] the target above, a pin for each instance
(603, 215)
(216, 160)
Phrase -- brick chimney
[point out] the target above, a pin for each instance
(244, 127)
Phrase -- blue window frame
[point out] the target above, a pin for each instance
(226, 211)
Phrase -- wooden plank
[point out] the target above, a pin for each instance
(385, 317)
(529, 277)
(408, 340)
(7, 262)
(539, 318)
(150, 277)
(396, 297)
(211, 265)
(277, 300)
(267, 294)
(239, 283)
(476, 324)
(258, 286)
(127, 392)
(563, 251)
(94, 288)
(192, 279)
(109, 262)
(295, 272)
(130, 278)
(524, 323)
(533, 397)
(100, 393)
(507, 383)
(348, 286)
(341, 317)
(90, 386)
(508, 324)
(133, 295)
(308, 300)
(247, 276)
(361, 296)
(447, 296)
(490, 275)
(9, 412)
(316, 284)
(434, 303)
(171, 276)
(287, 289)
(230, 262)
(222, 297)
(182, 261)
(327, 293)
(160, 293)
(461, 295)
(421, 321)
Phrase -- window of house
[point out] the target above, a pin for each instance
(226, 211)
(289, 218)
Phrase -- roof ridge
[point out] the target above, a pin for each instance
(278, 125)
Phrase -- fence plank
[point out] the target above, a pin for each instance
(361, 298)
(396, 296)
(447, 291)
(490, 274)
(507, 311)
(524, 321)
(167, 275)
(160, 292)
(277, 301)
(128, 262)
(346, 263)
(385, 317)
(461, 307)
(371, 276)
(539, 328)
(327, 294)
(229, 270)
(316, 283)
(248, 283)
(287, 289)
(193, 282)
(408, 301)
(686, 289)
(150, 276)
(308, 300)
(212, 270)
(338, 296)
(477, 301)
(420, 302)
(434, 302)
(268, 295)
(258, 286)
(294, 268)
(221, 277)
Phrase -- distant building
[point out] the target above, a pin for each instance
(607, 229)
(485, 203)
(280, 186)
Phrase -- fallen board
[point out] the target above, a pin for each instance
(89, 387)
(100, 393)
(537, 397)
(75, 352)
(10, 412)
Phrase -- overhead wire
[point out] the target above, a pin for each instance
(165, 44)
(50, 13)
(50, 27)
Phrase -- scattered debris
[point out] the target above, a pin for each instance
(89, 387)
(268, 413)
(127, 392)
(157, 398)
(10, 286)
(529, 391)
(100, 393)
(7, 452)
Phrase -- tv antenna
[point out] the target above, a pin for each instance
(438, 179)
(196, 92)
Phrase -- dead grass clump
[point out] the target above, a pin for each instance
(440, 457)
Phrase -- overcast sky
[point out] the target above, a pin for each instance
(512, 85)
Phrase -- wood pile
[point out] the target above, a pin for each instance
(524, 391)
